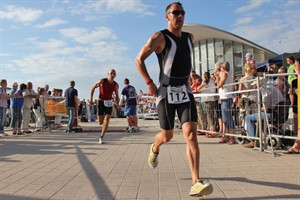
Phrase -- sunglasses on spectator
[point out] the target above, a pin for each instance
(177, 12)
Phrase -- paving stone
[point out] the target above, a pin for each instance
(59, 166)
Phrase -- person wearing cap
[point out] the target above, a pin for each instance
(249, 60)
(271, 96)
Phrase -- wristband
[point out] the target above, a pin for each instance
(149, 82)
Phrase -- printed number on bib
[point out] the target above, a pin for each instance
(108, 103)
(177, 95)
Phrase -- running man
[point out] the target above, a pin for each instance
(130, 96)
(173, 49)
(107, 86)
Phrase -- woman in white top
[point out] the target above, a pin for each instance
(226, 102)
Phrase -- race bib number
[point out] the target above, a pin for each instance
(177, 95)
(108, 103)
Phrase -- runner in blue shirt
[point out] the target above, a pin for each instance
(130, 97)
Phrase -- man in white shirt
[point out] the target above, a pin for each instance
(28, 94)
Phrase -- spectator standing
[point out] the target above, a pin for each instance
(13, 91)
(129, 93)
(28, 96)
(291, 68)
(174, 50)
(71, 104)
(38, 109)
(282, 84)
(209, 87)
(226, 102)
(17, 101)
(47, 92)
(88, 110)
(3, 105)
(215, 77)
(107, 87)
(196, 81)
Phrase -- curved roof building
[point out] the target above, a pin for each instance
(213, 45)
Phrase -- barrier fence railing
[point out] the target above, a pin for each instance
(265, 134)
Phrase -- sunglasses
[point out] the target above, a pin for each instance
(177, 12)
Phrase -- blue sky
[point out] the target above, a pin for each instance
(55, 41)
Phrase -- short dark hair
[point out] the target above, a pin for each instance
(72, 83)
(207, 73)
(298, 59)
(291, 58)
(177, 3)
(126, 81)
(23, 86)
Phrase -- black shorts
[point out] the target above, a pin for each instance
(103, 110)
(186, 112)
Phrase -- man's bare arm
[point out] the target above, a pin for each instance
(93, 90)
(155, 44)
(117, 94)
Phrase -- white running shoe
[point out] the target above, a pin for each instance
(201, 188)
(101, 141)
(152, 158)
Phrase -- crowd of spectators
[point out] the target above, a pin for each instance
(21, 105)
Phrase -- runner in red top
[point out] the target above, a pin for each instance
(107, 86)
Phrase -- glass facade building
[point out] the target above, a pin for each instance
(212, 45)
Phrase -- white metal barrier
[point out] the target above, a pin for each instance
(265, 128)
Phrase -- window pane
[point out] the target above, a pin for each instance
(211, 55)
(203, 57)
(228, 51)
(219, 50)
(197, 58)
(237, 58)
(259, 55)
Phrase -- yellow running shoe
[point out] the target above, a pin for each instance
(200, 188)
(152, 158)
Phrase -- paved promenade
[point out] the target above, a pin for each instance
(62, 166)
